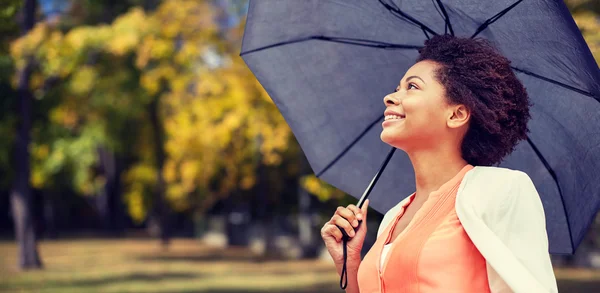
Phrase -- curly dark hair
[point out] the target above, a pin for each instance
(476, 75)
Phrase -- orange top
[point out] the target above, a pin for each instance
(432, 254)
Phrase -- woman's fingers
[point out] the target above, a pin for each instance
(343, 224)
(332, 230)
(356, 211)
(347, 214)
(345, 218)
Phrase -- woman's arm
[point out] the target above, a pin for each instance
(522, 228)
(503, 215)
(352, 274)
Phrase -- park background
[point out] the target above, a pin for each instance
(139, 154)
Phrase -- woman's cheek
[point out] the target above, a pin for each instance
(411, 104)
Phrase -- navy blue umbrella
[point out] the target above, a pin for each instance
(327, 64)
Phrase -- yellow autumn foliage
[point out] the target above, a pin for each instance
(139, 181)
(589, 24)
(212, 116)
(321, 189)
(218, 120)
(83, 80)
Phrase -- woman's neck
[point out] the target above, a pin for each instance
(433, 168)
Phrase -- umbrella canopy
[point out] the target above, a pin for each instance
(327, 64)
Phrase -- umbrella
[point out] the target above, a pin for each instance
(327, 64)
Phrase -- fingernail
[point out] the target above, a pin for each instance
(359, 216)
(352, 233)
(355, 223)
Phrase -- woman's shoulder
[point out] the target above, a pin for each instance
(496, 174)
(494, 188)
(494, 178)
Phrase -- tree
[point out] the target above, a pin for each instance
(21, 196)
(171, 73)
(9, 29)
(167, 90)
(86, 117)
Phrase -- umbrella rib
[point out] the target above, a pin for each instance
(553, 174)
(402, 15)
(553, 82)
(446, 18)
(368, 43)
(342, 40)
(484, 25)
(349, 146)
(440, 13)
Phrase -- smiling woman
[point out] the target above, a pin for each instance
(327, 75)
(460, 91)
(421, 99)
(459, 108)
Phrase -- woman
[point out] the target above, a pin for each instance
(468, 227)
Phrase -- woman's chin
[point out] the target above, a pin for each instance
(393, 138)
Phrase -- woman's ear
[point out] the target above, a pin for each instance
(459, 116)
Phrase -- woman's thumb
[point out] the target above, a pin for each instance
(364, 209)
(363, 213)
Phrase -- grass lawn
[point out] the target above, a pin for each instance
(128, 265)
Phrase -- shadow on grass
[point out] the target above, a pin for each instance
(212, 255)
(269, 268)
(198, 258)
(333, 288)
(96, 282)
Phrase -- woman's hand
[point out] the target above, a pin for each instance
(347, 219)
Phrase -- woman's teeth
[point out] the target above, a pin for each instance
(393, 117)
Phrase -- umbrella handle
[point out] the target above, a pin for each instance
(345, 239)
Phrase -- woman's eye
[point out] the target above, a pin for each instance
(413, 85)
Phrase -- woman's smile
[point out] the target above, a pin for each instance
(391, 116)
(391, 119)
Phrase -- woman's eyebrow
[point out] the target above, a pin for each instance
(414, 76)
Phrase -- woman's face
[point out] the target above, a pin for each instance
(424, 113)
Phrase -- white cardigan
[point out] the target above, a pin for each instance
(502, 213)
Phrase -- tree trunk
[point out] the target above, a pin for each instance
(109, 11)
(150, 5)
(266, 217)
(108, 201)
(20, 196)
(238, 223)
(160, 210)
(49, 214)
(306, 216)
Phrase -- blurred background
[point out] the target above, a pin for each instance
(139, 154)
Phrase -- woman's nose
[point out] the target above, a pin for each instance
(391, 100)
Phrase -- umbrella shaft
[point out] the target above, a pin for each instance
(376, 178)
